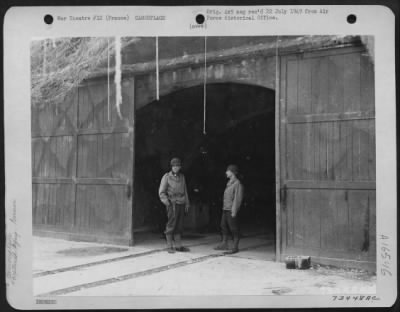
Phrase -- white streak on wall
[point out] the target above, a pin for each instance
(157, 73)
(205, 86)
(108, 79)
(118, 74)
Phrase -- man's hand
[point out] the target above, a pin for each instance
(233, 215)
(186, 209)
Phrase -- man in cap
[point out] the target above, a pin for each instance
(233, 197)
(173, 194)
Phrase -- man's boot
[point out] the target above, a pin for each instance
(235, 248)
(224, 244)
(178, 243)
(170, 248)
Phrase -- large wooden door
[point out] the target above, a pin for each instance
(327, 156)
(83, 164)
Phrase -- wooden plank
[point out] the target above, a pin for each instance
(69, 213)
(372, 224)
(44, 204)
(334, 150)
(107, 155)
(116, 169)
(323, 129)
(342, 227)
(100, 157)
(304, 88)
(35, 157)
(37, 209)
(364, 149)
(372, 151)
(298, 212)
(317, 118)
(352, 82)
(34, 202)
(349, 147)
(82, 157)
(351, 185)
(59, 156)
(340, 153)
(307, 157)
(60, 205)
(298, 136)
(52, 203)
(79, 201)
(290, 143)
(67, 155)
(319, 85)
(48, 180)
(367, 84)
(328, 219)
(102, 181)
(292, 87)
(288, 235)
(92, 156)
(356, 151)
(359, 210)
(312, 217)
(314, 153)
(64, 132)
(55, 158)
(335, 84)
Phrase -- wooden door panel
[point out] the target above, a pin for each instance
(53, 205)
(102, 209)
(327, 142)
(321, 150)
(105, 161)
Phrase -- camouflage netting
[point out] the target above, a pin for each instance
(61, 64)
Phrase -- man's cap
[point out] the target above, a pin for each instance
(176, 162)
(233, 168)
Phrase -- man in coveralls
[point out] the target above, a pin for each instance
(173, 194)
(233, 197)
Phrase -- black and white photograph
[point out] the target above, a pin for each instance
(155, 165)
(170, 168)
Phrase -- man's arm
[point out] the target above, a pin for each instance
(237, 201)
(162, 192)
(187, 202)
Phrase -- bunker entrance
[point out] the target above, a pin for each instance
(239, 128)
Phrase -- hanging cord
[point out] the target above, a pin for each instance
(118, 74)
(108, 78)
(205, 86)
(157, 73)
(276, 58)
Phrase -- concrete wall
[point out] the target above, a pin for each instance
(255, 70)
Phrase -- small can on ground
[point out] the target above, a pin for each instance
(298, 262)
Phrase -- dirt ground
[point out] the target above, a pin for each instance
(67, 268)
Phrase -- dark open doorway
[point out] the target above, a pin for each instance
(240, 129)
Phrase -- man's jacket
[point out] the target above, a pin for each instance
(233, 196)
(173, 189)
